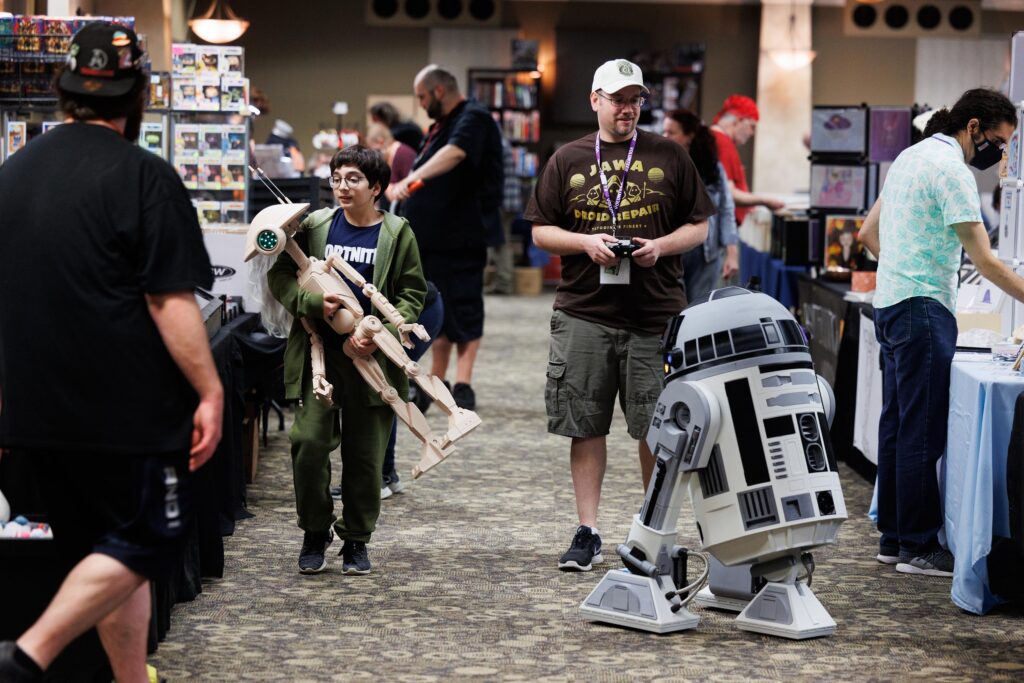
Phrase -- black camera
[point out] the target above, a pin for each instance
(623, 248)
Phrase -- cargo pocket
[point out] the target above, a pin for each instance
(554, 391)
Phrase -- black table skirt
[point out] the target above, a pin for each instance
(220, 495)
(833, 327)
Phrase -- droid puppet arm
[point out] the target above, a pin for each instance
(272, 231)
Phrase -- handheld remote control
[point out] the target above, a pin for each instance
(623, 248)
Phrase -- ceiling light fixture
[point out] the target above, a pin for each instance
(219, 24)
(792, 58)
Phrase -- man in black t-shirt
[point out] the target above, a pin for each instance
(609, 312)
(106, 376)
(460, 166)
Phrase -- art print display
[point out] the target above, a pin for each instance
(838, 130)
(16, 136)
(842, 244)
(838, 187)
(159, 91)
(889, 133)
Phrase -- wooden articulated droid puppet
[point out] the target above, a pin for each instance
(270, 233)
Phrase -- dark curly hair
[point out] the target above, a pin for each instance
(369, 161)
(703, 148)
(990, 107)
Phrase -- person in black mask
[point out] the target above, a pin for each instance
(928, 209)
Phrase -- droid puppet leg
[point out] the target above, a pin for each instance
(651, 593)
(460, 421)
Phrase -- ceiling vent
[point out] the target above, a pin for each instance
(913, 18)
(433, 13)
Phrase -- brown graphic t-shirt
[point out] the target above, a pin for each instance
(663, 192)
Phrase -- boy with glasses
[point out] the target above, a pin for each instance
(381, 246)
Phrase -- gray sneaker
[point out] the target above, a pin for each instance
(936, 563)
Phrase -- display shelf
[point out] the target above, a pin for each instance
(513, 98)
(206, 97)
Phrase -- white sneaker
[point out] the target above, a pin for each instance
(385, 492)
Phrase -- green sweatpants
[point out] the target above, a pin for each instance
(363, 435)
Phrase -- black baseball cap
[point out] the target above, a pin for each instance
(104, 60)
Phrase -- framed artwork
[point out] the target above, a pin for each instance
(836, 130)
(17, 136)
(889, 133)
(838, 187)
(842, 244)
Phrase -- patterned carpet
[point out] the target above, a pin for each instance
(465, 586)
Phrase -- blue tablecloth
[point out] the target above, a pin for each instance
(981, 403)
(777, 279)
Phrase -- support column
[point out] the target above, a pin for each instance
(784, 100)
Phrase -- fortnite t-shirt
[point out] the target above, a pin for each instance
(663, 192)
(358, 246)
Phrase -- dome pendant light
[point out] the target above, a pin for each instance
(219, 24)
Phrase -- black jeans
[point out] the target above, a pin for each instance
(917, 337)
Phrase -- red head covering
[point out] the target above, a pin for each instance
(740, 106)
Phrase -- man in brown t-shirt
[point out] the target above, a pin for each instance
(610, 312)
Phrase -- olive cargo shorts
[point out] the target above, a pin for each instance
(589, 364)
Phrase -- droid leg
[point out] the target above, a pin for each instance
(729, 588)
(786, 607)
(651, 593)
(322, 389)
(460, 421)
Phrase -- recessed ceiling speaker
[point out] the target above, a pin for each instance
(912, 18)
(384, 9)
(461, 13)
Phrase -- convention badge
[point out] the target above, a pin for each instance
(617, 274)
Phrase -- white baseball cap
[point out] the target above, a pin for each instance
(616, 74)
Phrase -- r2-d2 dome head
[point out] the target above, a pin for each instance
(741, 393)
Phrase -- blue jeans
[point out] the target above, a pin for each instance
(432, 318)
(699, 276)
(917, 337)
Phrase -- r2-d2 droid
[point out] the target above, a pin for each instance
(742, 423)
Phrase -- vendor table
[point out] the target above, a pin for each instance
(778, 280)
(982, 395)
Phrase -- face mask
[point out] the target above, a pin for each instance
(986, 154)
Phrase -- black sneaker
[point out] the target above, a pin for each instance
(464, 396)
(936, 563)
(354, 558)
(314, 545)
(16, 666)
(420, 398)
(584, 552)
